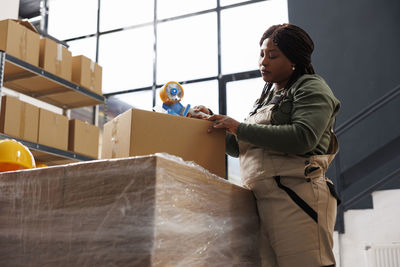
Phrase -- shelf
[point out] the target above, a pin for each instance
(49, 155)
(38, 83)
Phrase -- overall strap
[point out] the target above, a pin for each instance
(298, 200)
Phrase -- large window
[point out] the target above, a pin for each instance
(173, 8)
(184, 52)
(86, 47)
(117, 14)
(72, 18)
(212, 49)
(241, 31)
(127, 59)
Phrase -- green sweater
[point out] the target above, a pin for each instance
(301, 125)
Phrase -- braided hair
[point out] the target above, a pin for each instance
(297, 46)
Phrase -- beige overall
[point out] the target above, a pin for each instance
(289, 235)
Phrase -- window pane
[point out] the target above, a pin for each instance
(173, 8)
(141, 100)
(115, 106)
(84, 114)
(121, 13)
(230, 2)
(86, 47)
(203, 93)
(127, 59)
(234, 170)
(240, 37)
(240, 97)
(72, 18)
(187, 48)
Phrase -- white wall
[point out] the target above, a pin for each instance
(380, 225)
(9, 9)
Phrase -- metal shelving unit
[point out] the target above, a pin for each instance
(47, 87)
(49, 155)
(38, 83)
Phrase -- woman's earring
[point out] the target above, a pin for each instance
(293, 67)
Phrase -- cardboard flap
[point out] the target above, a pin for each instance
(26, 24)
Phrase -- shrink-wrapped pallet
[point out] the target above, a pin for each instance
(145, 211)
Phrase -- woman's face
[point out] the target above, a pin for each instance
(275, 67)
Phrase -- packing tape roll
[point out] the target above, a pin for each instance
(114, 139)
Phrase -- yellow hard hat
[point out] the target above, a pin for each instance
(40, 164)
(15, 156)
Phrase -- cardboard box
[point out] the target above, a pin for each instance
(138, 132)
(53, 129)
(87, 74)
(19, 119)
(20, 39)
(55, 58)
(145, 211)
(10, 118)
(83, 138)
(29, 122)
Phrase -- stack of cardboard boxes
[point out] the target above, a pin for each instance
(27, 122)
(20, 39)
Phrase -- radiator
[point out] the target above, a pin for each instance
(383, 255)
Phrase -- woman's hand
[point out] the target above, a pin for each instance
(200, 112)
(201, 108)
(223, 122)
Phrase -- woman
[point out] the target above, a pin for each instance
(285, 147)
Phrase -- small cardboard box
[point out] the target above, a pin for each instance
(87, 74)
(83, 138)
(55, 58)
(138, 132)
(19, 119)
(20, 39)
(53, 129)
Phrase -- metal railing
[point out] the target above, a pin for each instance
(370, 186)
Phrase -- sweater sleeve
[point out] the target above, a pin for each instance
(313, 107)
(232, 147)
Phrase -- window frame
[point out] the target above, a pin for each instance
(222, 79)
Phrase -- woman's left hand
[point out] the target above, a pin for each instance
(223, 122)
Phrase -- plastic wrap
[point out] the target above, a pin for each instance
(144, 211)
